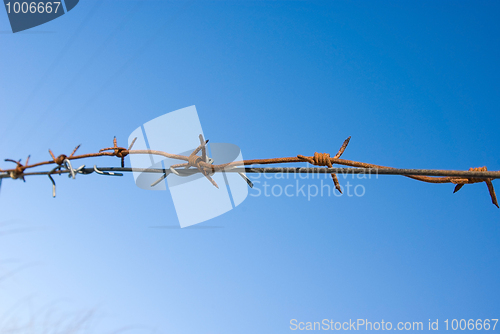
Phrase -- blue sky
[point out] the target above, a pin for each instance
(414, 83)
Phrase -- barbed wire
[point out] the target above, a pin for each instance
(195, 163)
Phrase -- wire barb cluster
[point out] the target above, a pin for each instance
(460, 182)
(323, 159)
(197, 162)
(120, 152)
(204, 165)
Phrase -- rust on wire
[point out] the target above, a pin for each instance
(18, 172)
(203, 164)
(460, 182)
(323, 159)
(120, 152)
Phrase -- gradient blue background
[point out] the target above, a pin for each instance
(415, 83)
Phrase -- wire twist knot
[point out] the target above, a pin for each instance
(202, 163)
(195, 161)
(460, 182)
(324, 159)
(17, 173)
(119, 152)
(60, 159)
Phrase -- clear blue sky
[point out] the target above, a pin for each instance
(415, 83)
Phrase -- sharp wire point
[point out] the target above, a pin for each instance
(159, 180)
(458, 187)
(52, 180)
(249, 182)
(492, 193)
(211, 180)
(74, 151)
(53, 186)
(342, 148)
(174, 171)
(132, 143)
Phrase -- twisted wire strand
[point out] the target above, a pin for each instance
(201, 163)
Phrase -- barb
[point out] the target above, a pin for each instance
(68, 166)
(460, 182)
(119, 152)
(163, 177)
(52, 179)
(17, 173)
(174, 171)
(248, 181)
(203, 164)
(323, 159)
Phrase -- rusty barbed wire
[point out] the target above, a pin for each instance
(195, 163)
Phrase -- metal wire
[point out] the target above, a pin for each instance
(203, 164)
(285, 170)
